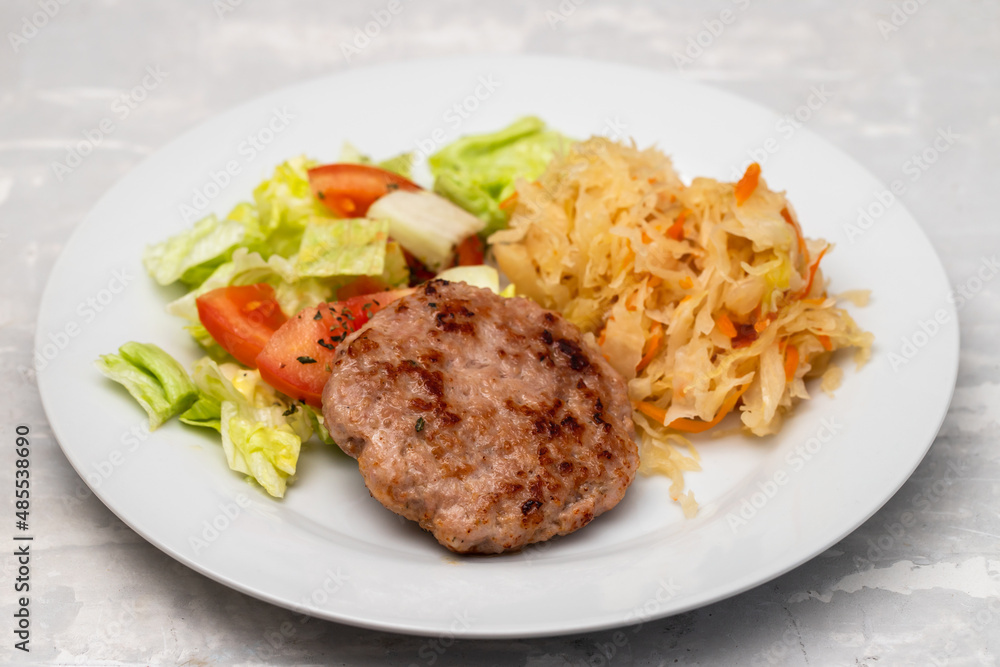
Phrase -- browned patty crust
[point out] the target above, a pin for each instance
(487, 420)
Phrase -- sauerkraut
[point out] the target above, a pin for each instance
(706, 297)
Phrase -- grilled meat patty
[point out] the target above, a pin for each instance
(487, 420)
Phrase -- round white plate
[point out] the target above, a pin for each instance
(329, 549)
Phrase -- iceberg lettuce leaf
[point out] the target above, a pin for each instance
(256, 447)
(210, 240)
(154, 379)
(319, 428)
(262, 431)
(478, 172)
(206, 412)
(286, 205)
(352, 247)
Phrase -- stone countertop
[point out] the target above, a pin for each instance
(896, 75)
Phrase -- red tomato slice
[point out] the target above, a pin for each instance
(297, 359)
(470, 251)
(241, 318)
(349, 189)
(360, 286)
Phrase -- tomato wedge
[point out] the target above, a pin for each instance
(470, 251)
(360, 286)
(297, 359)
(349, 189)
(241, 318)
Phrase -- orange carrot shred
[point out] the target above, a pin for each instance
(630, 302)
(646, 238)
(655, 281)
(697, 426)
(686, 282)
(726, 325)
(791, 362)
(747, 184)
(825, 342)
(630, 255)
(812, 274)
(787, 215)
(651, 411)
(652, 347)
(676, 231)
(509, 202)
(798, 233)
(760, 325)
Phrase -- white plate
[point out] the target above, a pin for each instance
(331, 550)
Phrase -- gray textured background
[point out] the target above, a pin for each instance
(930, 595)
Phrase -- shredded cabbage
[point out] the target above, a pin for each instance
(701, 301)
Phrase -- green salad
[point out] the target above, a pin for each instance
(274, 285)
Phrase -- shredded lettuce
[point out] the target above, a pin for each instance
(284, 238)
(273, 225)
(319, 428)
(288, 239)
(478, 172)
(286, 205)
(255, 446)
(293, 290)
(206, 412)
(245, 268)
(353, 247)
(262, 431)
(154, 379)
(399, 164)
(209, 240)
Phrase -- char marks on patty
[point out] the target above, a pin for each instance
(487, 420)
